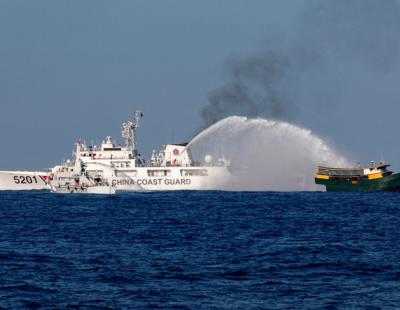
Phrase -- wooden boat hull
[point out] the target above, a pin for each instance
(389, 183)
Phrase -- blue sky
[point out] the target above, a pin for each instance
(78, 69)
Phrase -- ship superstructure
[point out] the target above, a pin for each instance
(170, 169)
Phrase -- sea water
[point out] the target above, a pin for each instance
(200, 250)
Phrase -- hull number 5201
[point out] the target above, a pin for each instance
(21, 179)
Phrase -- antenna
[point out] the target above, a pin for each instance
(129, 132)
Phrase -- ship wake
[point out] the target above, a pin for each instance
(266, 155)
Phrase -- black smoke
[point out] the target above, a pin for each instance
(335, 43)
(253, 89)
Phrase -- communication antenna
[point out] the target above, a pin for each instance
(129, 132)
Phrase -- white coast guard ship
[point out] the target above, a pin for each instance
(126, 170)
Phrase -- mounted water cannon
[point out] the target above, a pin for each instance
(222, 161)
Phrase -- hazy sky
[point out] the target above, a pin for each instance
(78, 69)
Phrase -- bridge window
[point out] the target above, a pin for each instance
(194, 172)
(159, 173)
(126, 173)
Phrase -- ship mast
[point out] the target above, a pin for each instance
(129, 132)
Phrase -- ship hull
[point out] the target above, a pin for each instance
(93, 190)
(163, 178)
(389, 183)
(23, 180)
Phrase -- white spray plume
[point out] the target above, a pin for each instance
(266, 155)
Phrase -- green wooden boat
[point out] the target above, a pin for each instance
(374, 178)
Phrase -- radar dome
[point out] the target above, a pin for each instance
(208, 159)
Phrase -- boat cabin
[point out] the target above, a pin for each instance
(373, 172)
